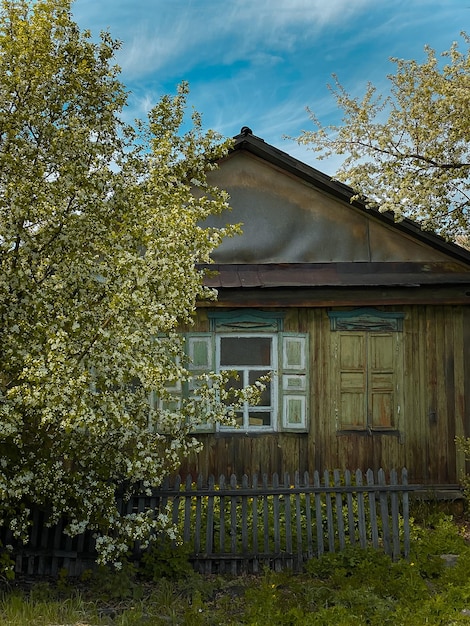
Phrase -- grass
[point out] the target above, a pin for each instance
(353, 587)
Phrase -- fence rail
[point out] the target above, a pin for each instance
(233, 526)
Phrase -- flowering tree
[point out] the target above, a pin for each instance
(409, 152)
(99, 240)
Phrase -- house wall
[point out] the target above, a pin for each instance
(436, 407)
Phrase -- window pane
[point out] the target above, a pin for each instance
(265, 398)
(259, 418)
(245, 351)
(234, 382)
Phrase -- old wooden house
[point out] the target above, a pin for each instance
(365, 323)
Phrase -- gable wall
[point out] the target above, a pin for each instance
(287, 220)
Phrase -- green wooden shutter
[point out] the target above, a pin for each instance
(369, 370)
(200, 349)
(293, 381)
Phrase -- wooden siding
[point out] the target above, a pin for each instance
(436, 407)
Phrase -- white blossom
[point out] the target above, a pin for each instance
(100, 238)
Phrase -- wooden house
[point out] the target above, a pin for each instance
(364, 321)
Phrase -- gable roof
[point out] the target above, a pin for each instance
(249, 143)
(302, 231)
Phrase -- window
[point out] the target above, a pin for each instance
(250, 356)
(253, 344)
(368, 369)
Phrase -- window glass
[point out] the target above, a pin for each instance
(259, 418)
(245, 351)
(253, 376)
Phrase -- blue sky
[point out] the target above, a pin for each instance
(260, 63)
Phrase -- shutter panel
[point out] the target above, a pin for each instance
(382, 380)
(352, 380)
(293, 381)
(200, 349)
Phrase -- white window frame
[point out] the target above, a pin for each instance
(272, 368)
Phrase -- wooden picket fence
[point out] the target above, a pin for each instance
(244, 526)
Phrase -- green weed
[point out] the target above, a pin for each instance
(354, 587)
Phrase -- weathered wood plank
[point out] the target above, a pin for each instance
(222, 520)
(187, 511)
(372, 510)
(244, 516)
(384, 513)
(276, 524)
(288, 523)
(406, 515)
(329, 513)
(318, 515)
(361, 516)
(233, 523)
(298, 520)
(339, 509)
(308, 515)
(255, 524)
(350, 509)
(209, 547)
(198, 519)
(395, 511)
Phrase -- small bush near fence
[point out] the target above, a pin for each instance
(235, 526)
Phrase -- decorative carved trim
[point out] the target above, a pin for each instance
(366, 319)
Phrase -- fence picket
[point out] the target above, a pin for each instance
(187, 510)
(361, 515)
(233, 523)
(210, 524)
(222, 521)
(339, 509)
(244, 519)
(384, 515)
(395, 517)
(298, 519)
(176, 501)
(265, 514)
(329, 513)
(308, 515)
(405, 513)
(372, 510)
(255, 523)
(350, 508)
(276, 523)
(318, 514)
(288, 523)
(198, 521)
